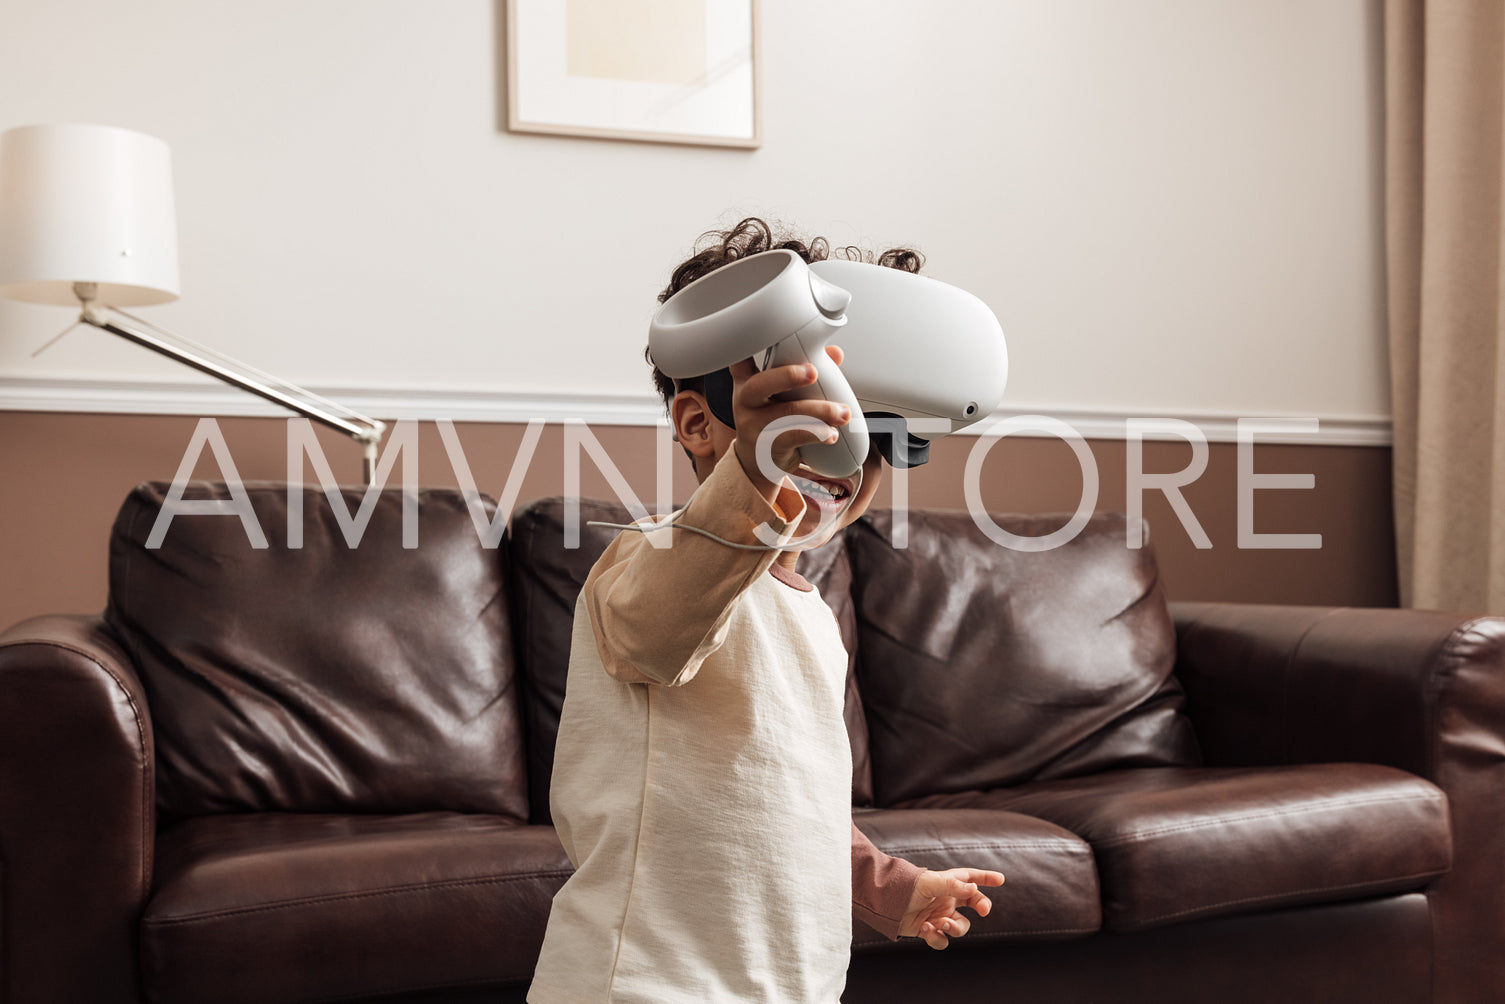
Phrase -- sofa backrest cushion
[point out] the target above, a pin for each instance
(983, 666)
(323, 678)
(545, 580)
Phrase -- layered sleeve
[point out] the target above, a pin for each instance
(882, 886)
(659, 601)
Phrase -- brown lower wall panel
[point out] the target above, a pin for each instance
(65, 474)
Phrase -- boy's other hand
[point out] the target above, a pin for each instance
(756, 404)
(933, 907)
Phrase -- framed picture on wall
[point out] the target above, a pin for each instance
(663, 71)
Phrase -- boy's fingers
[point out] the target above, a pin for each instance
(765, 384)
(793, 437)
(967, 893)
(961, 889)
(812, 407)
(811, 412)
(976, 901)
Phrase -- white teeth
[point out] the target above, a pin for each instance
(811, 488)
(816, 490)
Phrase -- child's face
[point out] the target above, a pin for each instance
(707, 439)
(719, 439)
(817, 503)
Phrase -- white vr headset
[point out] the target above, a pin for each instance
(915, 348)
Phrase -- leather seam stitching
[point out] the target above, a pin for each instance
(345, 897)
(1282, 895)
(975, 935)
(1082, 848)
(1249, 816)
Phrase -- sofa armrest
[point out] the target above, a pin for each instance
(1299, 684)
(1420, 690)
(77, 816)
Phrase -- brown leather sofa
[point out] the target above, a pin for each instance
(317, 773)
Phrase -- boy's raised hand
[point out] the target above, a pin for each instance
(754, 408)
(933, 907)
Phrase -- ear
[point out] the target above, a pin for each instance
(692, 418)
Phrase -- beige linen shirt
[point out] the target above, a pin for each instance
(708, 815)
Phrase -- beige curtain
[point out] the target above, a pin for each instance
(1444, 110)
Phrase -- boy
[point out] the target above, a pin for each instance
(702, 774)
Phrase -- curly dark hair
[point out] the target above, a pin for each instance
(751, 236)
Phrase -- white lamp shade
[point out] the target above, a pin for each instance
(86, 203)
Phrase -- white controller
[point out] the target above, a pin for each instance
(772, 308)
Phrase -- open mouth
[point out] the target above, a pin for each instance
(821, 489)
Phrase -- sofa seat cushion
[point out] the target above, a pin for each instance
(1050, 889)
(293, 907)
(1176, 843)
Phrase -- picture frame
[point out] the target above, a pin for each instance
(658, 71)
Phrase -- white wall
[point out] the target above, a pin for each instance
(1174, 206)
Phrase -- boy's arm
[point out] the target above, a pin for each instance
(658, 612)
(882, 886)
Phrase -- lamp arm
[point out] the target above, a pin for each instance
(360, 427)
